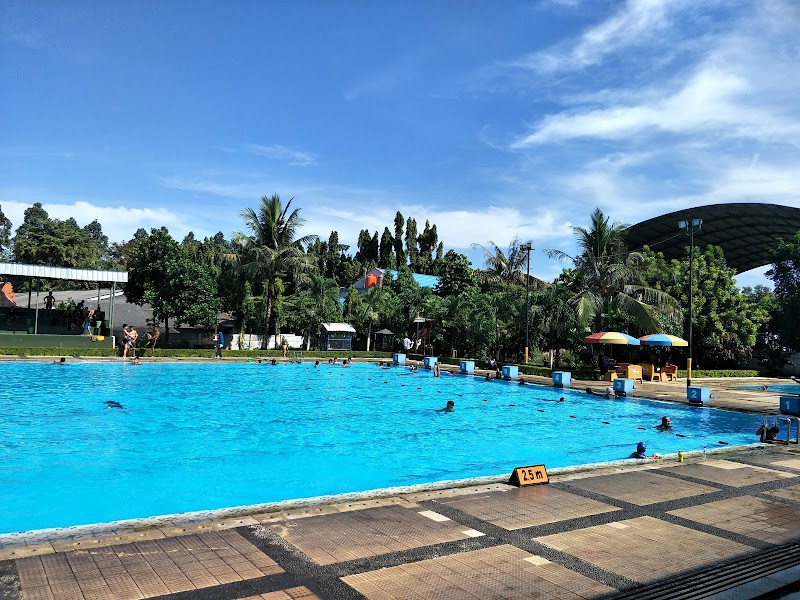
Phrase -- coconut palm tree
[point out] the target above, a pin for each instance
(555, 316)
(502, 267)
(272, 249)
(508, 267)
(609, 278)
(366, 308)
(318, 302)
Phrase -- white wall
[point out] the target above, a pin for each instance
(253, 342)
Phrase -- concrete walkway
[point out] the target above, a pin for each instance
(640, 528)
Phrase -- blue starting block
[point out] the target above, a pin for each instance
(790, 405)
(561, 378)
(698, 396)
(399, 359)
(429, 361)
(510, 372)
(623, 385)
(468, 367)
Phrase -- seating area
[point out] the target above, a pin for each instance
(650, 372)
(669, 373)
(641, 373)
(629, 371)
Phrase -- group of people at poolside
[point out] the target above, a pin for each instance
(74, 315)
(130, 337)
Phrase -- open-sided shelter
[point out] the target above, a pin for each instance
(384, 341)
(336, 336)
(32, 313)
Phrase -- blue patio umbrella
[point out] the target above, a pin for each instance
(662, 339)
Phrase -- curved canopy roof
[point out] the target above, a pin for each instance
(48, 272)
(745, 232)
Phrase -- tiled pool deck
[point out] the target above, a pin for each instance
(589, 534)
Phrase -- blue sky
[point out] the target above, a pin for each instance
(490, 119)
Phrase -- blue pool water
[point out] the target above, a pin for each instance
(783, 388)
(204, 436)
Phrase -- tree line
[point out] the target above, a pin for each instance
(270, 279)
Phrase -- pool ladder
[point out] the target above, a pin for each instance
(791, 422)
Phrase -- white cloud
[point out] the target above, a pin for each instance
(291, 156)
(712, 101)
(636, 23)
(754, 277)
(773, 182)
(744, 87)
(119, 222)
(348, 209)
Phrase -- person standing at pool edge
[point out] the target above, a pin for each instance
(219, 339)
(152, 338)
(49, 300)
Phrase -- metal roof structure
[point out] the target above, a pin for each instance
(339, 327)
(426, 281)
(48, 272)
(746, 232)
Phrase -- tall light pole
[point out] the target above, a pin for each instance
(527, 247)
(689, 227)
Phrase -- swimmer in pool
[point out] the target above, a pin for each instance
(451, 407)
(666, 425)
(609, 393)
(641, 451)
(113, 404)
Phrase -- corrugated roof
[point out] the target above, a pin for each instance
(48, 272)
(339, 327)
(746, 232)
(426, 281)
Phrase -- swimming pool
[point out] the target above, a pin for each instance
(784, 388)
(199, 436)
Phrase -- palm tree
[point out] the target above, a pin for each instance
(319, 302)
(506, 268)
(555, 316)
(272, 248)
(609, 276)
(374, 300)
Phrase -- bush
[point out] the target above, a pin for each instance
(720, 373)
(106, 352)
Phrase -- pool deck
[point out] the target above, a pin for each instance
(727, 526)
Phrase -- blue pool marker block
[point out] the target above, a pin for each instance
(561, 378)
(399, 359)
(790, 405)
(700, 396)
(430, 361)
(624, 385)
(510, 372)
(468, 367)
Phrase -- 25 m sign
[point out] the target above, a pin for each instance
(533, 475)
